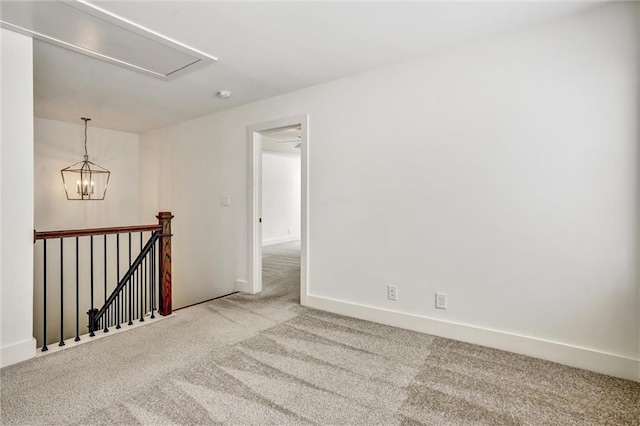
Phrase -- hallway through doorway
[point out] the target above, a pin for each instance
(281, 272)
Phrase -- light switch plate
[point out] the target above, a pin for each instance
(225, 201)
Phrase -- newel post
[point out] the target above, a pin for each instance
(164, 218)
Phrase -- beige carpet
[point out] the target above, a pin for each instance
(265, 360)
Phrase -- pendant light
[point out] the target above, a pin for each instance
(85, 180)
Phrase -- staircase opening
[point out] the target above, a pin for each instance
(94, 280)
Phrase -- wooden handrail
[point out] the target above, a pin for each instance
(45, 235)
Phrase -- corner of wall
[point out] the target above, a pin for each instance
(638, 171)
(244, 286)
(16, 225)
(17, 352)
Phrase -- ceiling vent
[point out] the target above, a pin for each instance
(91, 30)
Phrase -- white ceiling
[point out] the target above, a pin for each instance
(263, 50)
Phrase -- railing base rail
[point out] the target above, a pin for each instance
(86, 338)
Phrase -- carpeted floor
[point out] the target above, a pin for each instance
(264, 359)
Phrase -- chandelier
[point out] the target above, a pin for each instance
(85, 180)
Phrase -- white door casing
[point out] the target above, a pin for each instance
(254, 139)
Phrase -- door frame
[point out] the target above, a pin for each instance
(254, 256)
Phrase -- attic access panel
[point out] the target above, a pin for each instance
(93, 31)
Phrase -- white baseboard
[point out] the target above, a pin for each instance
(243, 286)
(18, 352)
(574, 356)
(286, 239)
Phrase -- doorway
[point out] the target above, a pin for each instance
(288, 136)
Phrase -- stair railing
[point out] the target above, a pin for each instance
(143, 288)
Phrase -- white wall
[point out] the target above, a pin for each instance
(188, 178)
(280, 197)
(503, 173)
(57, 145)
(16, 189)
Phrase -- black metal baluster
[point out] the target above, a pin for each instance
(61, 293)
(106, 314)
(125, 298)
(146, 280)
(91, 322)
(135, 294)
(112, 310)
(140, 275)
(156, 275)
(140, 299)
(44, 338)
(118, 303)
(116, 315)
(77, 294)
(129, 284)
(152, 273)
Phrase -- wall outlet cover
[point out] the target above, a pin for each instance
(392, 292)
(441, 300)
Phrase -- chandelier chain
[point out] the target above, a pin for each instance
(86, 153)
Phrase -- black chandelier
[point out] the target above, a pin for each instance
(91, 180)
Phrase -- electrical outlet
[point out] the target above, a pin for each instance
(392, 292)
(441, 300)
